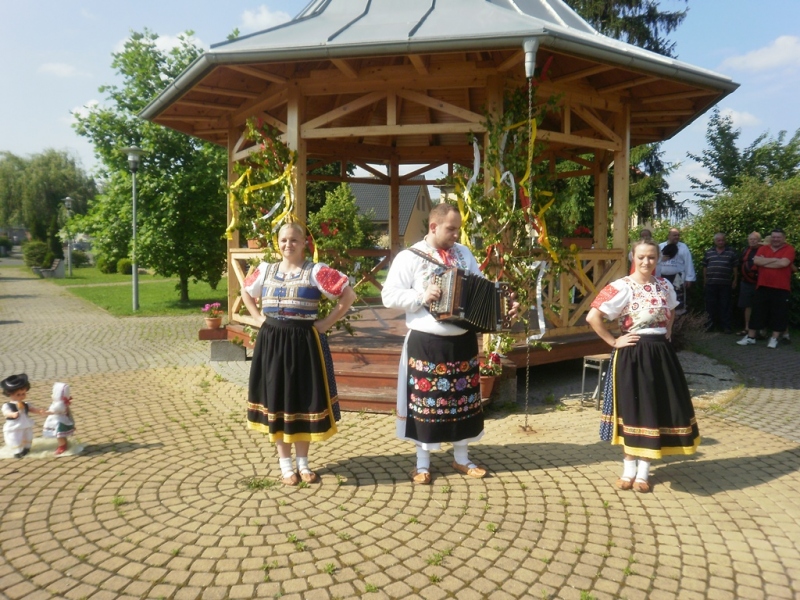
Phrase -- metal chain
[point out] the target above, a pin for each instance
(525, 427)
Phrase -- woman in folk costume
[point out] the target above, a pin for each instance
(292, 390)
(18, 428)
(59, 423)
(647, 408)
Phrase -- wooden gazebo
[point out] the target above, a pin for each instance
(381, 84)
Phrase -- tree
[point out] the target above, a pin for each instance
(638, 22)
(181, 208)
(32, 192)
(765, 159)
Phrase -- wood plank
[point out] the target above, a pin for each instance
(626, 85)
(678, 96)
(270, 101)
(440, 105)
(596, 123)
(207, 89)
(258, 73)
(387, 130)
(419, 63)
(583, 73)
(575, 140)
(345, 67)
(343, 110)
(512, 61)
(645, 114)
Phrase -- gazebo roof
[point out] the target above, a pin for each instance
(353, 37)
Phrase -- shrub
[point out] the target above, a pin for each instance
(34, 253)
(125, 266)
(104, 265)
(80, 259)
(48, 259)
(5, 243)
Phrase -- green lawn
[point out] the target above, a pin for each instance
(157, 295)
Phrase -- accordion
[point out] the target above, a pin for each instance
(470, 301)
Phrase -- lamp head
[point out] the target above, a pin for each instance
(133, 152)
(68, 202)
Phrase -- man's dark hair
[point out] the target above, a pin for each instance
(778, 230)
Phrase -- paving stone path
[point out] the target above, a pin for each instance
(174, 498)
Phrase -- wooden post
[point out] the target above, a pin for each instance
(600, 231)
(622, 179)
(294, 119)
(394, 206)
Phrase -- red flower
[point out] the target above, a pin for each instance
(424, 385)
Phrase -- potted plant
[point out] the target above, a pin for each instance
(490, 369)
(581, 238)
(213, 312)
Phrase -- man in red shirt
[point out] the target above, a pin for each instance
(771, 303)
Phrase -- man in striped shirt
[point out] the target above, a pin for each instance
(720, 276)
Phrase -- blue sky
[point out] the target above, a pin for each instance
(58, 52)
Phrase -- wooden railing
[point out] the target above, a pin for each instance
(566, 295)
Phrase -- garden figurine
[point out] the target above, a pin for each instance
(18, 428)
(59, 424)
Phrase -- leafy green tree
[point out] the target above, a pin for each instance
(181, 208)
(638, 22)
(769, 160)
(32, 192)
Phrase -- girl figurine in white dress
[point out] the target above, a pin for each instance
(18, 428)
(59, 423)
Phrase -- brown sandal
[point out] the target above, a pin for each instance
(624, 483)
(292, 479)
(641, 486)
(308, 476)
(470, 470)
(418, 478)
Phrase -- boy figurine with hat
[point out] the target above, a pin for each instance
(18, 428)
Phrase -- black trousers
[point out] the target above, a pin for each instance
(719, 298)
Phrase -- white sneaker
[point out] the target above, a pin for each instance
(772, 343)
(746, 341)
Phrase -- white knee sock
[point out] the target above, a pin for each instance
(628, 468)
(461, 452)
(423, 459)
(643, 471)
(302, 464)
(286, 467)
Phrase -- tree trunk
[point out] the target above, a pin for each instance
(184, 287)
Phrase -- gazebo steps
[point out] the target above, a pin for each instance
(375, 399)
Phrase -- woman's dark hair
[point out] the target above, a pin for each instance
(670, 250)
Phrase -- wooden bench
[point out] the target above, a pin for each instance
(56, 270)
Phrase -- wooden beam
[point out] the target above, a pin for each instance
(296, 142)
(419, 63)
(512, 61)
(622, 158)
(394, 207)
(207, 89)
(270, 101)
(209, 131)
(370, 169)
(570, 174)
(342, 110)
(596, 123)
(441, 105)
(345, 67)
(677, 96)
(258, 73)
(182, 119)
(652, 124)
(391, 108)
(276, 123)
(646, 114)
(575, 140)
(208, 105)
(626, 85)
(581, 74)
(600, 232)
(387, 130)
(421, 170)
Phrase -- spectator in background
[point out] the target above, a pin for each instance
(720, 276)
(773, 288)
(749, 278)
(681, 264)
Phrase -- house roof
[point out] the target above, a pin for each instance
(375, 197)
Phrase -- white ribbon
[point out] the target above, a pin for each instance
(542, 266)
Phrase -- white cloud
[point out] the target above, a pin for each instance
(83, 111)
(164, 43)
(740, 118)
(88, 15)
(781, 53)
(262, 18)
(61, 70)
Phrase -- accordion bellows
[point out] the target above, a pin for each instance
(471, 301)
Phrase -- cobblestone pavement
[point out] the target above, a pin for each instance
(174, 498)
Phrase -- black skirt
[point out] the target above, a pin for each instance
(289, 394)
(647, 405)
(443, 388)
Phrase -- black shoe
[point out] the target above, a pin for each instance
(19, 454)
(25, 451)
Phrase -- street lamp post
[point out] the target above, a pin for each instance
(68, 204)
(133, 163)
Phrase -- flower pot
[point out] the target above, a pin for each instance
(582, 243)
(487, 385)
(254, 244)
(213, 322)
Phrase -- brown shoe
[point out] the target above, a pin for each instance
(309, 476)
(418, 478)
(641, 486)
(470, 470)
(624, 483)
(292, 479)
